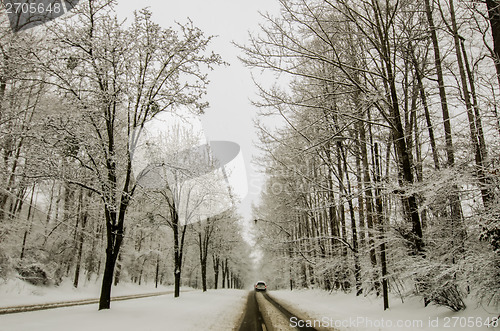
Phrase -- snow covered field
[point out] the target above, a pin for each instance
(17, 292)
(194, 310)
(348, 312)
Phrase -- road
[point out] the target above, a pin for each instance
(252, 321)
(264, 313)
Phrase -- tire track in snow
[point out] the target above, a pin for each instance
(264, 313)
(286, 312)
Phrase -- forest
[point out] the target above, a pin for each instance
(74, 93)
(378, 127)
(382, 172)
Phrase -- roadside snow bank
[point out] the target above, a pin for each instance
(340, 311)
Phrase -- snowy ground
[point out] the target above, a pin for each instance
(341, 311)
(223, 309)
(17, 292)
(194, 310)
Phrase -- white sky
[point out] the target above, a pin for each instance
(230, 116)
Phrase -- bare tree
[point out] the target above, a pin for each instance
(119, 79)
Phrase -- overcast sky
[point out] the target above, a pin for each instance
(230, 116)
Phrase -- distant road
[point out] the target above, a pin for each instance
(52, 305)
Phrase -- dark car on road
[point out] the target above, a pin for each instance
(260, 286)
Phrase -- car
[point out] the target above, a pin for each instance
(260, 286)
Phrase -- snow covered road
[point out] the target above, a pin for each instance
(213, 310)
(264, 313)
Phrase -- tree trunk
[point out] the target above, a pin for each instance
(30, 223)
(368, 190)
(224, 272)
(442, 92)
(203, 259)
(398, 134)
(69, 193)
(456, 211)
(477, 143)
(49, 209)
(427, 115)
(114, 235)
(107, 279)
(479, 125)
(355, 252)
(216, 262)
(84, 216)
(178, 247)
(360, 197)
(157, 271)
(381, 221)
(494, 17)
(142, 270)
(118, 271)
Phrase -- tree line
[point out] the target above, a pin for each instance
(382, 174)
(72, 95)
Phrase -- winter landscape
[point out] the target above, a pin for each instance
(265, 165)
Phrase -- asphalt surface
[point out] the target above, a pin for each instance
(252, 321)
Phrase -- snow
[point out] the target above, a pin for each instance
(342, 311)
(223, 309)
(15, 292)
(213, 310)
